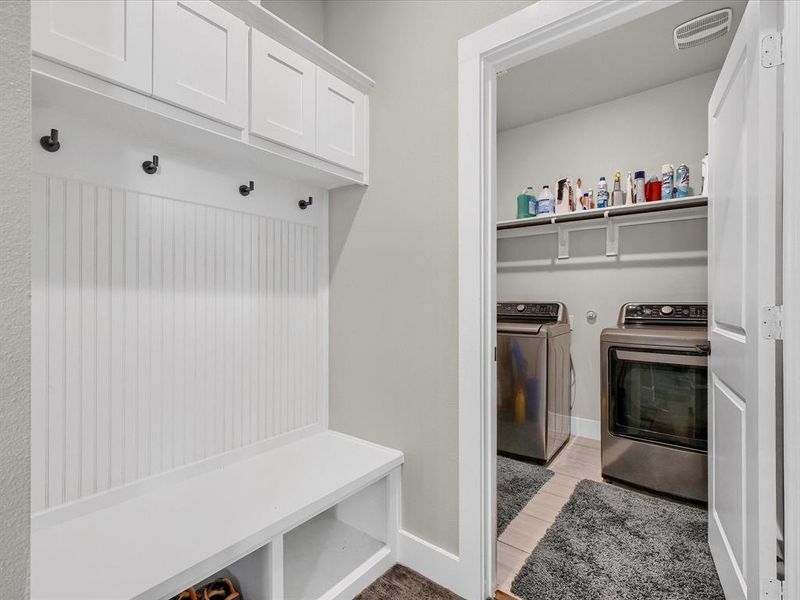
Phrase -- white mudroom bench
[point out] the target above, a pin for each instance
(314, 518)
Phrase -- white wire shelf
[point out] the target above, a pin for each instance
(605, 213)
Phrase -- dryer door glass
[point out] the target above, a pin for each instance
(659, 396)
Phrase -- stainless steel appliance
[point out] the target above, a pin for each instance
(533, 378)
(654, 398)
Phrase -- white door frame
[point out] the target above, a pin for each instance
(534, 31)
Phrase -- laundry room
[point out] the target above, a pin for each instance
(604, 116)
(602, 280)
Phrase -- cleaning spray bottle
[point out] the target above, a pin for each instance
(629, 196)
(617, 199)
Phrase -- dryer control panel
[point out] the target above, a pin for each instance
(529, 311)
(675, 314)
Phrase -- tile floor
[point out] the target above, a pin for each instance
(580, 459)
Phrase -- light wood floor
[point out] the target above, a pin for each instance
(580, 459)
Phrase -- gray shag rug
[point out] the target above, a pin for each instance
(613, 544)
(517, 483)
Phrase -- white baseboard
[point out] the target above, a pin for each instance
(435, 563)
(445, 568)
(588, 428)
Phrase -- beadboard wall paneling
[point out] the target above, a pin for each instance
(164, 332)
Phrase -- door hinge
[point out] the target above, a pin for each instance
(773, 590)
(495, 354)
(772, 50)
(772, 322)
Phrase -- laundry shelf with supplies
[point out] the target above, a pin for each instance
(610, 219)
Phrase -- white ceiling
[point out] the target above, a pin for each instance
(611, 65)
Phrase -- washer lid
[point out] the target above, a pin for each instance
(521, 327)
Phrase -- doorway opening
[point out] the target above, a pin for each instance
(562, 105)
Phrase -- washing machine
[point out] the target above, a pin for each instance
(533, 379)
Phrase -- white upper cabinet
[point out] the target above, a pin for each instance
(292, 102)
(111, 39)
(200, 59)
(283, 88)
(341, 122)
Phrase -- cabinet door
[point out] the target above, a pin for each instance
(341, 124)
(282, 88)
(200, 59)
(111, 39)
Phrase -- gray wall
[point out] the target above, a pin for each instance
(668, 124)
(306, 15)
(394, 253)
(15, 265)
(656, 262)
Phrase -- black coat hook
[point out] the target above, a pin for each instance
(304, 204)
(50, 142)
(150, 166)
(245, 190)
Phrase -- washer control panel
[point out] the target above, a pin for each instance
(665, 313)
(539, 311)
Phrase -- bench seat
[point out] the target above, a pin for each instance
(155, 544)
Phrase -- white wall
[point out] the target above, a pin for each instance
(15, 263)
(394, 249)
(173, 319)
(668, 124)
(656, 262)
(306, 15)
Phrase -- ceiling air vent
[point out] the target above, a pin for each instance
(702, 29)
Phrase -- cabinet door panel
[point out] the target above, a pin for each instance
(340, 122)
(111, 39)
(282, 87)
(200, 59)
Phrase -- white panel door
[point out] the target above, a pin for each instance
(341, 127)
(743, 172)
(200, 59)
(282, 94)
(111, 39)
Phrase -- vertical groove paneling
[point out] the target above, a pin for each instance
(117, 339)
(56, 345)
(102, 315)
(164, 332)
(131, 333)
(72, 335)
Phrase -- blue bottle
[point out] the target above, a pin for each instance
(602, 193)
(546, 204)
(682, 182)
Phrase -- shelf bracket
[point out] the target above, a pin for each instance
(563, 241)
(612, 238)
